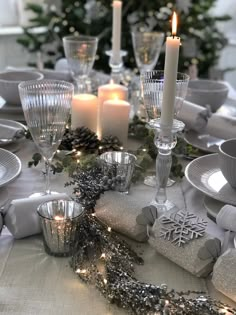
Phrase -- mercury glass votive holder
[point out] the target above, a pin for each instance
(60, 220)
(119, 167)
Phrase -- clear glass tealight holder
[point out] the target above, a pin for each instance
(60, 220)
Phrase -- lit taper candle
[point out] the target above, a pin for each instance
(170, 76)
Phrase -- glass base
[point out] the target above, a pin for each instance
(50, 252)
(43, 193)
(151, 181)
(176, 127)
(164, 207)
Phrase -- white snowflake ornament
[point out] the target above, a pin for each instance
(181, 227)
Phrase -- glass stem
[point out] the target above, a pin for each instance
(163, 165)
(83, 84)
(47, 177)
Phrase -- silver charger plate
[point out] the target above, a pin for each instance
(10, 167)
(11, 123)
(204, 174)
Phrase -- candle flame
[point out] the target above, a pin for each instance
(58, 218)
(174, 24)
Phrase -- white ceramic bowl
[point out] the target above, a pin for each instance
(227, 161)
(207, 92)
(9, 82)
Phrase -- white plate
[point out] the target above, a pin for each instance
(204, 173)
(11, 123)
(203, 142)
(10, 167)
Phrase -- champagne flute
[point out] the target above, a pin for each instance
(46, 105)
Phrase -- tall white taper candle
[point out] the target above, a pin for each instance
(116, 30)
(170, 75)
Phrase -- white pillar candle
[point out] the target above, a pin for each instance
(115, 116)
(116, 30)
(170, 76)
(84, 111)
(109, 92)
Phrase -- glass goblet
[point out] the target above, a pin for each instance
(80, 53)
(152, 85)
(147, 48)
(46, 105)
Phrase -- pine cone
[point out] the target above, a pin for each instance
(85, 140)
(109, 143)
(66, 143)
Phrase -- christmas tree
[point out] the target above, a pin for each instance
(201, 40)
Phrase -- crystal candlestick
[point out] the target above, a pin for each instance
(116, 66)
(165, 140)
(152, 84)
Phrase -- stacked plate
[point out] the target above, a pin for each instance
(10, 167)
(204, 174)
(11, 134)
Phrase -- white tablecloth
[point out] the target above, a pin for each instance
(31, 282)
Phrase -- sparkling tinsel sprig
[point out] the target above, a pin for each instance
(102, 259)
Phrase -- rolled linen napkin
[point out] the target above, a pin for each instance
(194, 116)
(226, 219)
(21, 217)
(10, 132)
(221, 126)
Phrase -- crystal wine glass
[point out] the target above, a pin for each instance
(147, 48)
(152, 84)
(80, 53)
(46, 105)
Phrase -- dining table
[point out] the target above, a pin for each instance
(32, 282)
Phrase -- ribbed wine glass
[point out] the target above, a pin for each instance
(80, 53)
(46, 105)
(152, 84)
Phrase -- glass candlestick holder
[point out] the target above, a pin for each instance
(165, 140)
(116, 65)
